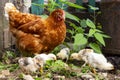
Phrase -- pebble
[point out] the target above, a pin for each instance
(4, 73)
(28, 77)
(59, 77)
(87, 76)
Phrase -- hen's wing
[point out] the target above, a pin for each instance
(16, 17)
(32, 26)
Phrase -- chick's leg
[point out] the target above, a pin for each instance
(92, 69)
(41, 70)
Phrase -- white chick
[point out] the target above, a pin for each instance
(74, 56)
(42, 58)
(95, 60)
(63, 54)
(28, 64)
(51, 57)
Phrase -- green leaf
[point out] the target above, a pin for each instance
(79, 39)
(72, 17)
(105, 36)
(73, 25)
(78, 29)
(99, 37)
(83, 23)
(93, 8)
(72, 4)
(91, 32)
(70, 31)
(95, 47)
(97, 30)
(90, 23)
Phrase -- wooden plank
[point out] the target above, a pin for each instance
(79, 2)
(61, 5)
(3, 23)
(92, 3)
(36, 9)
(6, 41)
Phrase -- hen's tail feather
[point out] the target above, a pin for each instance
(9, 7)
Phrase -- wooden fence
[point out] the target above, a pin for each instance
(6, 39)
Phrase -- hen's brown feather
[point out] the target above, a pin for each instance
(34, 34)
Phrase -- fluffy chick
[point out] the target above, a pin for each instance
(63, 54)
(95, 60)
(42, 58)
(74, 56)
(28, 64)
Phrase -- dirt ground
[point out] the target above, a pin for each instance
(6, 74)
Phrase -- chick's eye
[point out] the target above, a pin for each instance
(38, 64)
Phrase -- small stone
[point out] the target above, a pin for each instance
(5, 72)
(87, 76)
(46, 79)
(59, 77)
(28, 77)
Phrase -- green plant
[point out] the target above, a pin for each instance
(10, 67)
(85, 32)
(7, 56)
(88, 33)
(59, 67)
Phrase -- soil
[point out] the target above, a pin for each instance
(109, 75)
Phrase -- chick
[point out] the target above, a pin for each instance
(27, 64)
(64, 54)
(42, 58)
(74, 56)
(51, 57)
(95, 60)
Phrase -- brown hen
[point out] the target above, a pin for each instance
(35, 35)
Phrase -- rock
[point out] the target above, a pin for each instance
(4, 73)
(46, 79)
(87, 77)
(58, 77)
(28, 77)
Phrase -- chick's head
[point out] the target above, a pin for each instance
(39, 60)
(51, 57)
(25, 61)
(74, 56)
(62, 55)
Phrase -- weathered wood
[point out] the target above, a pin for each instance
(36, 9)
(3, 23)
(111, 25)
(22, 5)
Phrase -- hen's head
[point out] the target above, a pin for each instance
(58, 15)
